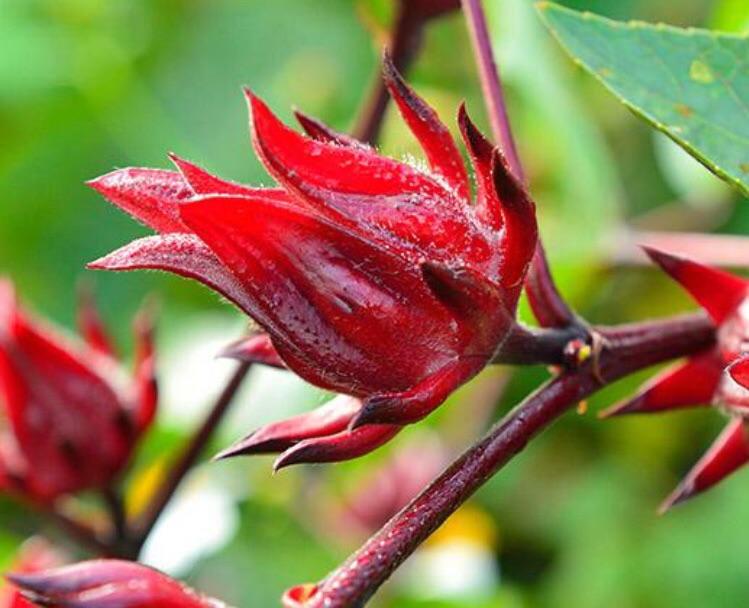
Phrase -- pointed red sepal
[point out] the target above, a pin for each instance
(182, 254)
(519, 229)
(318, 130)
(481, 152)
(729, 453)
(418, 402)
(90, 325)
(717, 291)
(329, 419)
(298, 596)
(341, 446)
(319, 172)
(149, 195)
(739, 371)
(203, 182)
(108, 584)
(689, 384)
(439, 146)
(257, 348)
(146, 387)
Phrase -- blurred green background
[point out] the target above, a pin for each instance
(89, 85)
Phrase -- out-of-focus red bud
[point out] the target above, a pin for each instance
(108, 584)
(718, 376)
(58, 394)
(369, 276)
(390, 487)
(729, 453)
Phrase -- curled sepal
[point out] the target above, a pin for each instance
(435, 139)
(718, 292)
(519, 229)
(90, 325)
(257, 348)
(689, 384)
(318, 130)
(729, 453)
(416, 403)
(338, 447)
(331, 418)
(480, 151)
(108, 584)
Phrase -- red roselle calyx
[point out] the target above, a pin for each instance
(719, 376)
(73, 416)
(370, 277)
(108, 583)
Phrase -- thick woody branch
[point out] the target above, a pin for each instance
(625, 349)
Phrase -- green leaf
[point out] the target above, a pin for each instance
(691, 84)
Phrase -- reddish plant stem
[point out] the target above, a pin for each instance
(403, 46)
(113, 502)
(627, 349)
(80, 533)
(546, 302)
(188, 458)
(405, 40)
(491, 85)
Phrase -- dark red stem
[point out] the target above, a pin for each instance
(189, 457)
(626, 349)
(545, 346)
(546, 302)
(403, 46)
(80, 533)
(117, 515)
(405, 39)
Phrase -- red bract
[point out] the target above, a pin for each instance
(73, 417)
(322, 435)
(372, 277)
(108, 584)
(35, 555)
(718, 376)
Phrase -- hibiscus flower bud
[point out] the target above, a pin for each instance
(716, 377)
(369, 276)
(108, 583)
(72, 417)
